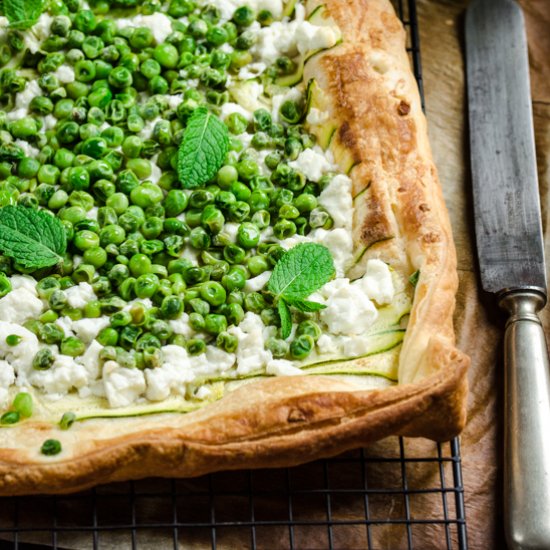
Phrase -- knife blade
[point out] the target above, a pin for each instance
(510, 253)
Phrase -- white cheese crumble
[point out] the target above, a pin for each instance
(65, 74)
(336, 199)
(122, 385)
(251, 355)
(160, 24)
(20, 305)
(312, 163)
(79, 295)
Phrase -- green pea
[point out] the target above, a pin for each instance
(243, 16)
(305, 202)
(5, 284)
(51, 333)
(95, 256)
(50, 447)
(112, 234)
(23, 404)
(118, 202)
(234, 280)
(301, 346)
(84, 273)
(199, 238)
(43, 359)
(195, 346)
(213, 292)
(13, 339)
(234, 313)
(309, 328)
(146, 194)
(284, 229)
(214, 323)
(84, 240)
(10, 417)
(146, 285)
(236, 122)
(175, 202)
(139, 264)
(257, 265)
(141, 38)
(92, 309)
(166, 55)
(248, 235)
(278, 347)
(72, 346)
(171, 307)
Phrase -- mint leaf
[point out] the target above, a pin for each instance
(305, 305)
(286, 320)
(302, 270)
(22, 14)
(33, 238)
(203, 148)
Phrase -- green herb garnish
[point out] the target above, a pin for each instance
(300, 272)
(22, 14)
(203, 148)
(33, 238)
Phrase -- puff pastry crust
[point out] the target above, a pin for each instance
(400, 217)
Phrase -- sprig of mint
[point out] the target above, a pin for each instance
(301, 271)
(22, 14)
(203, 148)
(33, 238)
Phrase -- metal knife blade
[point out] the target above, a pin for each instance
(510, 250)
(504, 171)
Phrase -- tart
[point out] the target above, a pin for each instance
(257, 266)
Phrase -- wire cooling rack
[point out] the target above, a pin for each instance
(398, 494)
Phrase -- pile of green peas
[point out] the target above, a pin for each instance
(94, 171)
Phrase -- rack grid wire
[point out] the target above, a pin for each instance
(363, 499)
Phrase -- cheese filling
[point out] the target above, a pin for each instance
(97, 338)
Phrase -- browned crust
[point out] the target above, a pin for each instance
(286, 421)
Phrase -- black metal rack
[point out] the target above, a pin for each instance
(364, 499)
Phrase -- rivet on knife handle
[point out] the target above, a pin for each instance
(527, 423)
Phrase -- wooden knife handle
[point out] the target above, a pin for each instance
(526, 423)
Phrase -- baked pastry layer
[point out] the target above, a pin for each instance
(366, 86)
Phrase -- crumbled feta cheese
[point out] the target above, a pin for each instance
(257, 283)
(79, 295)
(251, 355)
(64, 375)
(310, 37)
(24, 281)
(327, 344)
(230, 108)
(34, 36)
(28, 149)
(92, 213)
(340, 244)
(252, 71)
(20, 305)
(122, 385)
(65, 74)
(282, 367)
(312, 163)
(87, 329)
(7, 378)
(23, 100)
(181, 325)
(348, 311)
(160, 24)
(336, 199)
(377, 282)
(212, 362)
(174, 373)
(90, 359)
(49, 122)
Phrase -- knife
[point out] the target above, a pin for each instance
(510, 252)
